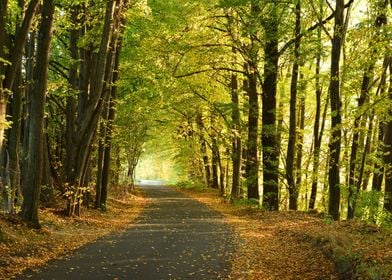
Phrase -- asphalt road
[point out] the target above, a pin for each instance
(176, 237)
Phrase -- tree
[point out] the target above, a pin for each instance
(94, 87)
(11, 52)
(290, 157)
(317, 131)
(335, 101)
(237, 143)
(268, 138)
(388, 154)
(31, 190)
(355, 176)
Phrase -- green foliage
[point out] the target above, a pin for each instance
(254, 203)
(368, 207)
(190, 185)
(370, 270)
(232, 3)
(13, 16)
(328, 219)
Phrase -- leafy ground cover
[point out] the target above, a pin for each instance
(297, 245)
(22, 248)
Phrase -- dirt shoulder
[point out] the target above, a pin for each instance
(296, 245)
(22, 248)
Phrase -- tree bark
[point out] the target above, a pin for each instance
(109, 129)
(291, 147)
(300, 144)
(88, 117)
(269, 142)
(100, 159)
(252, 155)
(317, 134)
(203, 150)
(30, 65)
(17, 49)
(236, 142)
(252, 161)
(36, 122)
(378, 174)
(388, 151)
(70, 129)
(9, 71)
(14, 140)
(336, 120)
(215, 163)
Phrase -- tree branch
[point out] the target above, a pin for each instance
(208, 70)
(313, 27)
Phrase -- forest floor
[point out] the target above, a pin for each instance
(297, 245)
(22, 247)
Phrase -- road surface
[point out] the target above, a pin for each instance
(175, 237)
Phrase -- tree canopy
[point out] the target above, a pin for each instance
(282, 103)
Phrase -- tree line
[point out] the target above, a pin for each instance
(290, 100)
(59, 62)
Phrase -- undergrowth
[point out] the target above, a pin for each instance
(190, 185)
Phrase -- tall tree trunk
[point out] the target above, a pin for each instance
(15, 139)
(30, 65)
(70, 129)
(89, 115)
(9, 72)
(252, 156)
(222, 173)
(388, 151)
(252, 161)
(109, 129)
(16, 110)
(353, 173)
(215, 163)
(336, 120)
(100, 159)
(316, 134)
(36, 122)
(300, 144)
(116, 178)
(20, 39)
(47, 190)
(103, 130)
(291, 147)
(364, 175)
(203, 150)
(236, 142)
(269, 142)
(378, 174)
